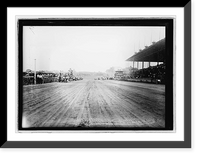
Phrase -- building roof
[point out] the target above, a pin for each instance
(152, 53)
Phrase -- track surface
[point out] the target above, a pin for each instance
(94, 103)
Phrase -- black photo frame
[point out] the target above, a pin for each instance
(126, 144)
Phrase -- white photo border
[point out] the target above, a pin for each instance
(13, 135)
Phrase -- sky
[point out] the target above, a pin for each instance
(84, 48)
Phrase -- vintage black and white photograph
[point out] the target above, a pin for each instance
(98, 77)
(95, 76)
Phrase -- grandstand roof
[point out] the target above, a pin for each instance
(152, 53)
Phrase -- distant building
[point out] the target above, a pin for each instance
(119, 74)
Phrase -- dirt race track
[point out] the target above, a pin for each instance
(94, 103)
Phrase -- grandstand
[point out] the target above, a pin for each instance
(152, 53)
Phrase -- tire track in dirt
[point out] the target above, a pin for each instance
(72, 98)
(57, 111)
(40, 104)
(36, 91)
(37, 94)
(101, 113)
(126, 118)
(151, 101)
(129, 104)
(146, 91)
(43, 111)
(34, 97)
(83, 118)
(106, 109)
(47, 102)
(155, 88)
(75, 110)
(146, 103)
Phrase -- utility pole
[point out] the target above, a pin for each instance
(35, 73)
(139, 45)
(134, 54)
(159, 35)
